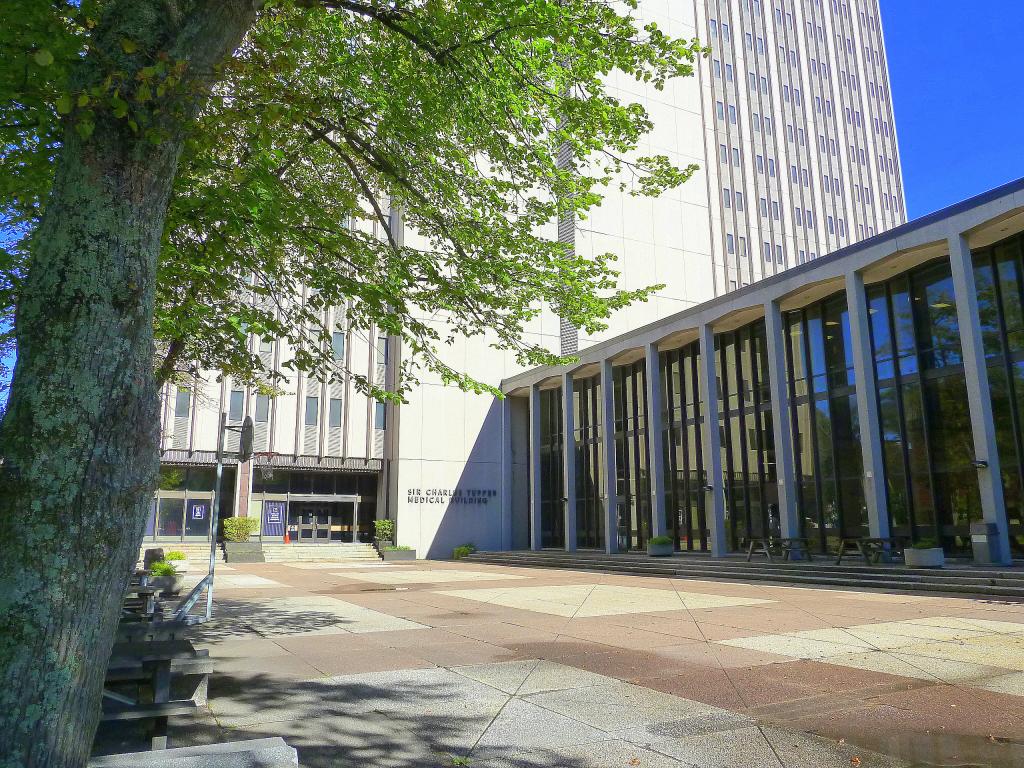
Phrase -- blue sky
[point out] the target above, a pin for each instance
(956, 71)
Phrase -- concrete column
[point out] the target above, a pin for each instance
(535, 524)
(569, 462)
(778, 379)
(507, 474)
(867, 406)
(711, 444)
(611, 496)
(655, 437)
(979, 398)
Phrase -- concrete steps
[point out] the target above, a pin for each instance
(332, 553)
(196, 552)
(955, 579)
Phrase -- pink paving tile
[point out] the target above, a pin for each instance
(710, 686)
(460, 654)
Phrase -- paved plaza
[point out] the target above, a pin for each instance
(440, 664)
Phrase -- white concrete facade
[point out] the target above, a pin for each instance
(450, 441)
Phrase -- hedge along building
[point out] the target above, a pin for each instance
(876, 391)
(790, 122)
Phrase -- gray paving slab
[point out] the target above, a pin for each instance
(523, 726)
(746, 747)
(424, 692)
(804, 750)
(614, 705)
(610, 753)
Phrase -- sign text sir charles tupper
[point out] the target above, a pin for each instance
(450, 495)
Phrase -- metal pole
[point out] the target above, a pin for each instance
(215, 515)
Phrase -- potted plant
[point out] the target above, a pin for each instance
(164, 575)
(238, 548)
(660, 546)
(384, 533)
(178, 559)
(925, 553)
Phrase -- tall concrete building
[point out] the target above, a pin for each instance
(800, 143)
(789, 120)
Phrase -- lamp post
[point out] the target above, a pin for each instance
(245, 434)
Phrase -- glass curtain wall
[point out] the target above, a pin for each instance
(633, 509)
(681, 446)
(823, 401)
(589, 453)
(999, 275)
(183, 503)
(552, 469)
(748, 439)
(926, 429)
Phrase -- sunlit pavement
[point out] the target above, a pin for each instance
(434, 664)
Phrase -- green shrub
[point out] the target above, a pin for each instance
(398, 548)
(464, 551)
(240, 528)
(175, 555)
(385, 529)
(660, 540)
(925, 544)
(160, 568)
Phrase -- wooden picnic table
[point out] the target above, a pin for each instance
(871, 548)
(788, 547)
(135, 629)
(145, 602)
(149, 667)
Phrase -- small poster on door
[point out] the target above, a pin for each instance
(198, 511)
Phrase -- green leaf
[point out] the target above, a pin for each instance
(85, 128)
(43, 57)
(119, 105)
(83, 100)
(128, 45)
(63, 104)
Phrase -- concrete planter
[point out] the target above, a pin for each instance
(168, 585)
(398, 554)
(243, 552)
(180, 566)
(933, 557)
(660, 550)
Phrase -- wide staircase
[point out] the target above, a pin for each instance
(955, 578)
(339, 552)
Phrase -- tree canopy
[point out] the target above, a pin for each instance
(330, 116)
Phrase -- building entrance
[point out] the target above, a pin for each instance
(322, 522)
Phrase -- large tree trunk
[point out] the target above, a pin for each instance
(80, 437)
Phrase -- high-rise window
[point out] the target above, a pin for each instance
(236, 405)
(262, 409)
(334, 412)
(338, 345)
(312, 411)
(182, 403)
